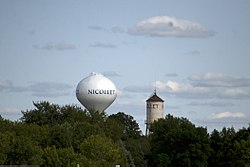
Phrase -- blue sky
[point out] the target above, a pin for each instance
(195, 53)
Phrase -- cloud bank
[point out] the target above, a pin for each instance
(225, 115)
(39, 89)
(55, 46)
(111, 74)
(227, 118)
(171, 75)
(5, 84)
(9, 111)
(98, 28)
(209, 85)
(212, 104)
(162, 26)
(219, 80)
(165, 26)
(50, 89)
(103, 45)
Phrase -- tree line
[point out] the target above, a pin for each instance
(53, 135)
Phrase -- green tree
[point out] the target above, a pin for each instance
(72, 114)
(82, 130)
(61, 135)
(24, 151)
(177, 142)
(222, 144)
(6, 125)
(67, 157)
(242, 153)
(38, 134)
(101, 151)
(243, 142)
(6, 133)
(133, 144)
(113, 129)
(47, 113)
(230, 148)
(130, 127)
(51, 157)
(138, 149)
(5, 147)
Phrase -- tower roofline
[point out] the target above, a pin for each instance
(154, 98)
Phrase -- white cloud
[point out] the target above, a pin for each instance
(223, 86)
(9, 111)
(187, 90)
(225, 115)
(209, 85)
(50, 89)
(219, 80)
(227, 119)
(41, 89)
(8, 86)
(136, 89)
(212, 104)
(98, 28)
(110, 74)
(171, 75)
(235, 93)
(5, 85)
(165, 26)
(115, 29)
(103, 45)
(175, 87)
(55, 46)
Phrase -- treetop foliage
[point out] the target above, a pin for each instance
(53, 135)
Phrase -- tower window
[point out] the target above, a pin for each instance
(155, 105)
(148, 105)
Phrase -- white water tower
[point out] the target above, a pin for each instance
(154, 109)
(96, 92)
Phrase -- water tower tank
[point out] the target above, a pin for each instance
(96, 92)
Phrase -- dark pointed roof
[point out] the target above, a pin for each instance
(155, 98)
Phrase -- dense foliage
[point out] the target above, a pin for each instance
(53, 135)
(177, 142)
